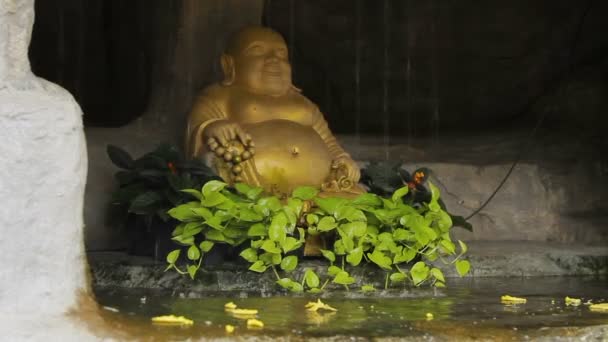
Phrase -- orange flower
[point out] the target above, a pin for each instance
(172, 167)
(419, 177)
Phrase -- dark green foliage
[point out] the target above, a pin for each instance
(150, 185)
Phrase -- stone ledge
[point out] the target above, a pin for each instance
(488, 259)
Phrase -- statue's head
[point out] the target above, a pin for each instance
(256, 58)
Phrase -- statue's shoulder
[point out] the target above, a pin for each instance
(296, 95)
(214, 93)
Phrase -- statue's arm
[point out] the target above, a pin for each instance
(319, 124)
(205, 111)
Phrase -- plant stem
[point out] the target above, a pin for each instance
(346, 287)
(275, 272)
(325, 283)
(386, 282)
(343, 262)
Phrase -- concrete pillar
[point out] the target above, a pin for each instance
(42, 178)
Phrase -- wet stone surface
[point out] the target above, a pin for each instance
(488, 259)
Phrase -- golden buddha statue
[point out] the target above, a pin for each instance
(255, 127)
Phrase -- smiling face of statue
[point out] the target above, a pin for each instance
(259, 61)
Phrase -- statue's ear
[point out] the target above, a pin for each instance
(228, 68)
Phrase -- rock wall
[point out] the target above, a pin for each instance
(42, 150)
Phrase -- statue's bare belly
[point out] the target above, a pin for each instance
(289, 154)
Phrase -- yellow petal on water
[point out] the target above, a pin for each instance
(318, 305)
(602, 307)
(172, 319)
(572, 301)
(253, 323)
(506, 299)
(229, 306)
(244, 312)
(229, 328)
(429, 316)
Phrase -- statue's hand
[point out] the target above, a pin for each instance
(347, 164)
(223, 131)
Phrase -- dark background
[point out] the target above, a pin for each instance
(399, 67)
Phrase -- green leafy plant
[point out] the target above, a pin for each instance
(150, 185)
(399, 238)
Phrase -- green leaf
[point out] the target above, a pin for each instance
(290, 244)
(258, 266)
(463, 247)
(439, 284)
(311, 278)
(295, 205)
(435, 193)
(215, 222)
(172, 256)
(213, 199)
(249, 254)
(285, 283)
(144, 201)
(463, 267)
(192, 271)
(289, 263)
(378, 258)
(326, 224)
(270, 247)
(195, 193)
(406, 255)
(329, 255)
(250, 215)
(296, 287)
(258, 229)
(248, 191)
(202, 212)
(339, 247)
(419, 272)
(400, 193)
(276, 231)
(305, 192)
(187, 241)
(120, 157)
(291, 219)
(215, 235)
(355, 256)
(330, 204)
(206, 246)
(437, 274)
(402, 235)
(368, 288)
(212, 187)
(315, 290)
(350, 214)
(343, 278)
(312, 219)
(367, 199)
(194, 253)
(397, 277)
(302, 234)
(448, 246)
(333, 270)
(354, 229)
(271, 203)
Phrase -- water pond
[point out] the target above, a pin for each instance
(468, 309)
